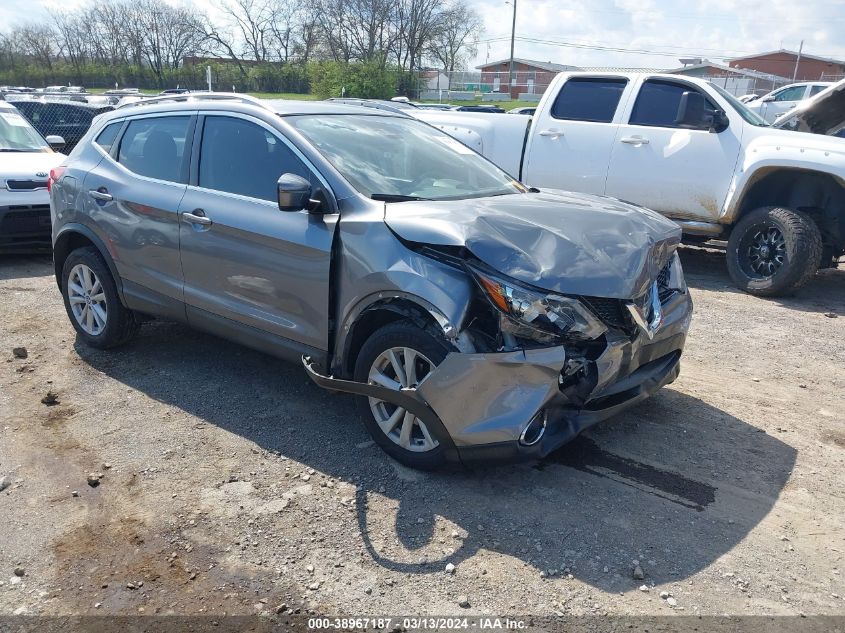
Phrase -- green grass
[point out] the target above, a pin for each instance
(506, 104)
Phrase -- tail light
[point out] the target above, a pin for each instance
(55, 175)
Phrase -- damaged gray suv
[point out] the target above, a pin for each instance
(477, 319)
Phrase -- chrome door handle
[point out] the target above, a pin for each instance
(634, 140)
(197, 216)
(551, 133)
(103, 195)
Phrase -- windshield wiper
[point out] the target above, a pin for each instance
(9, 149)
(395, 197)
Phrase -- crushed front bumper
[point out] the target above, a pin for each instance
(484, 402)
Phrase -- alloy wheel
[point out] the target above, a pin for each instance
(766, 251)
(401, 368)
(87, 300)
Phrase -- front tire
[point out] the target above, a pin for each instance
(774, 251)
(92, 303)
(401, 354)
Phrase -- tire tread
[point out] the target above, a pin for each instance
(800, 230)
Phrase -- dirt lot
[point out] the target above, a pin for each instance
(232, 484)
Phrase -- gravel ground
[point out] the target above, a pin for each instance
(225, 482)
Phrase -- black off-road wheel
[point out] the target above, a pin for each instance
(401, 354)
(92, 303)
(773, 251)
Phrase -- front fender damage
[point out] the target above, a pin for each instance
(508, 389)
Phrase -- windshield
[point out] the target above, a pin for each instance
(751, 117)
(17, 135)
(396, 159)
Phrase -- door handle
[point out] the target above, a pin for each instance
(634, 140)
(551, 133)
(100, 194)
(197, 216)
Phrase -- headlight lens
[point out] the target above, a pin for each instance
(676, 274)
(553, 314)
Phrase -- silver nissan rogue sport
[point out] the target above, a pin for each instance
(477, 318)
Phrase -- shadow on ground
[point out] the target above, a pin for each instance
(24, 266)
(674, 482)
(705, 268)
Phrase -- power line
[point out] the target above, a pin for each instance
(820, 20)
(678, 52)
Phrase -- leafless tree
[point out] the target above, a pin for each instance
(37, 41)
(455, 39)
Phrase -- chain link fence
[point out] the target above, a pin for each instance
(61, 114)
(530, 85)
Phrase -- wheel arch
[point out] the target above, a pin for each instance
(819, 194)
(73, 237)
(377, 311)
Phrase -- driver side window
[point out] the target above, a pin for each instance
(243, 158)
(658, 102)
(796, 93)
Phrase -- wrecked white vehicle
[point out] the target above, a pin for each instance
(823, 114)
(480, 319)
(687, 149)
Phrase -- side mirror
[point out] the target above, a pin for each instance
(767, 99)
(294, 193)
(691, 111)
(720, 121)
(56, 143)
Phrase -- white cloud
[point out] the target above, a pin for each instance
(723, 28)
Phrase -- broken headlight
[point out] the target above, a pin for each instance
(548, 313)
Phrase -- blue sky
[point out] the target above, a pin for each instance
(672, 29)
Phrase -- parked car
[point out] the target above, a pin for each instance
(822, 114)
(174, 91)
(25, 162)
(782, 100)
(378, 104)
(525, 110)
(68, 119)
(435, 106)
(477, 318)
(489, 109)
(689, 150)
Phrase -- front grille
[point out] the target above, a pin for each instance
(25, 219)
(25, 185)
(663, 289)
(612, 312)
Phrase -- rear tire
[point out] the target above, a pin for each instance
(92, 303)
(774, 251)
(425, 447)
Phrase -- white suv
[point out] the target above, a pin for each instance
(782, 100)
(26, 159)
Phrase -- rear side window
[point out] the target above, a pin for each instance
(588, 99)
(658, 101)
(107, 136)
(241, 157)
(816, 90)
(155, 148)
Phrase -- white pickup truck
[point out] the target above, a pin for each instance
(688, 150)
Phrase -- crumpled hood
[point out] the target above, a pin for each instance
(563, 242)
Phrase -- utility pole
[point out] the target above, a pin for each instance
(513, 36)
(797, 59)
